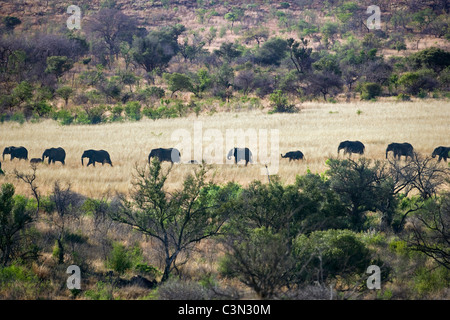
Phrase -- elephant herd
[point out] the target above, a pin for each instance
(173, 155)
(397, 149)
(58, 155)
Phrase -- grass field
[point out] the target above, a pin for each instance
(316, 130)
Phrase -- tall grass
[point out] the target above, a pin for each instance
(314, 130)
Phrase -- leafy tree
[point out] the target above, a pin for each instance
(433, 58)
(177, 220)
(300, 54)
(15, 217)
(65, 93)
(415, 82)
(23, 92)
(229, 51)
(423, 18)
(256, 34)
(329, 31)
(272, 51)
(362, 188)
(178, 81)
(58, 65)
(330, 254)
(156, 49)
(370, 90)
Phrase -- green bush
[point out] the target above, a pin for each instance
(20, 283)
(18, 117)
(334, 253)
(133, 110)
(119, 259)
(370, 90)
(280, 102)
(403, 97)
(122, 259)
(63, 116)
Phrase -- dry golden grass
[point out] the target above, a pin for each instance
(316, 131)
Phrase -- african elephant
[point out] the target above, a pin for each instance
(293, 155)
(36, 160)
(94, 156)
(400, 149)
(171, 155)
(442, 152)
(240, 154)
(351, 147)
(54, 154)
(16, 152)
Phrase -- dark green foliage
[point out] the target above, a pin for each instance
(330, 254)
(157, 48)
(362, 186)
(272, 51)
(58, 65)
(414, 82)
(434, 58)
(15, 217)
(280, 102)
(133, 110)
(370, 90)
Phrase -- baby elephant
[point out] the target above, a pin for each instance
(293, 155)
(35, 160)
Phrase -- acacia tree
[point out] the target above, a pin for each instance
(177, 220)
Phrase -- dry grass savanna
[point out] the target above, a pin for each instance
(316, 130)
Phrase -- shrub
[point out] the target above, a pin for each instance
(116, 113)
(64, 117)
(370, 90)
(403, 97)
(133, 110)
(18, 117)
(120, 259)
(334, 253)
(280, 102)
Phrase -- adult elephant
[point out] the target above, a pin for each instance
(54, 154)
(240, 154)
(170, 154)
(94, 156)
(442, 153)
(400, 149)
(293, 155)
(351, 147)
(16, 152)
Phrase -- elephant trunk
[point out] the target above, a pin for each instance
(387, 152)
(82, 161)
